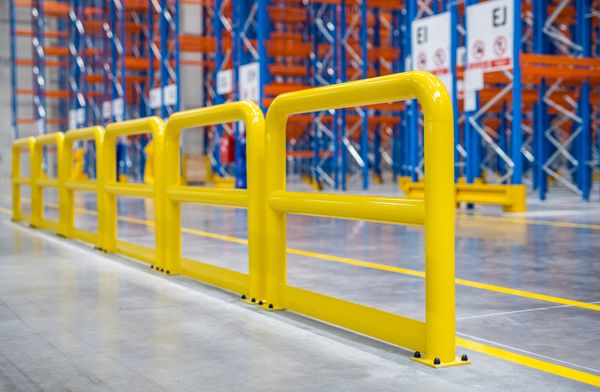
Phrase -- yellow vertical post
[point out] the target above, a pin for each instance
(69, 201)
(17, 147)
(439, 221)
(37, 193)
(275, 221)
(157, 127)
(109, 168)
(255, 147)
(172, 207)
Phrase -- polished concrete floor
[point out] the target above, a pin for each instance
(74, 319)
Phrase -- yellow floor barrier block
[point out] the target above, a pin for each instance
(512, 198)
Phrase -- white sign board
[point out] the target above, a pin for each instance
(155, 98)
(72, 119)
(170, 92)
(490, 27)
(106, 109)
(117, 109)
(249, 83)
(431, 43)
(225, 81)
(80, 116)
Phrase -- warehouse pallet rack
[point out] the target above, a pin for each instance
(530, 124)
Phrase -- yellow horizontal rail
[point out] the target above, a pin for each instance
(209, 196)
(512, 198)
(126, 189)
(21, 180)
(46, 182)
(370, 208)
(82, 186)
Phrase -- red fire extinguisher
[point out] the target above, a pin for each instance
(227, 149)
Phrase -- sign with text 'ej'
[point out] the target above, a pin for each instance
(431, 43)
(490, 28)
(431, 46)
(225, 81)
(249, 83)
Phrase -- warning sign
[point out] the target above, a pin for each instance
(249, 83)
(490, 27)
(431, 43)
(431, 46)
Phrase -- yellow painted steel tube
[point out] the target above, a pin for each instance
(38, 183)
(371, 208)
(156, 127)
(142, 191)
(18, 181)
(253, 120)
(96, 134)
(439, 187)
(209, 196)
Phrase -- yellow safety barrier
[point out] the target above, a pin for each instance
(252, 198)
(155, 191)
(512, 198)
(72, 184)
(268, 203)
(436, 336)
(18, 181)
(40, 181)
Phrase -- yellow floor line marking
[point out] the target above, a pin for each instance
(366, 264)
(527, 221)
(506, 355)
(533, 363)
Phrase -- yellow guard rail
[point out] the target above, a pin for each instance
(252, 198)
(18, 181)
(39, 181)
(71, 185)
(436, 336)
(155, 192)
(268, 203)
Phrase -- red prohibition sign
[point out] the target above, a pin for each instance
(422, 60)
(478, 49)
(439, 57)
(500, 45)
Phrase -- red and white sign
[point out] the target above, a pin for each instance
(431, 46)
(490, 28)
(431, 43)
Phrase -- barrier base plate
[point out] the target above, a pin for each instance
(429, 362)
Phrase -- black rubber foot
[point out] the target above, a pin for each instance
(260, 303)
(151, 267)
(417, 354)
(243, 296)
(162, 270)
(168, 272)
(270, 306)
(464, 358)
(253, 300)
(437, 361)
